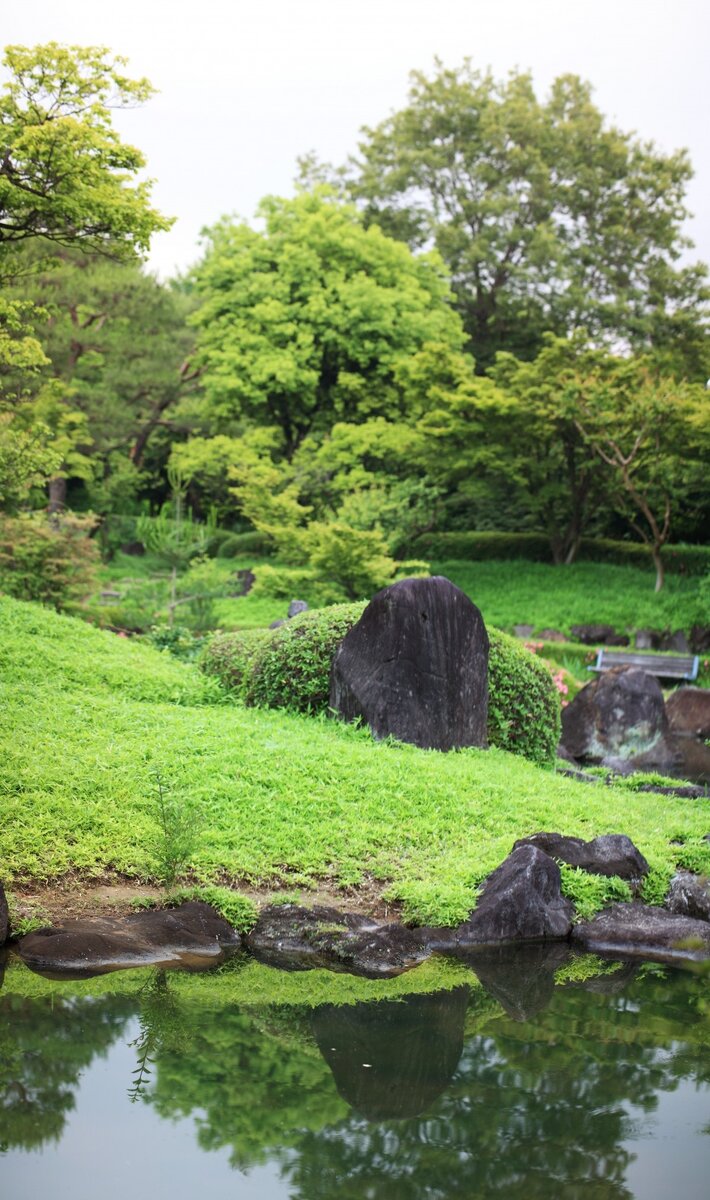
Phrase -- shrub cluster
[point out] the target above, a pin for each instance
(54, 564)
(535, 547)
(290, 668)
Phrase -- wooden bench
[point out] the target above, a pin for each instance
(667, 666)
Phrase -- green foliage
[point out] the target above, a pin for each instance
(238, 910)
(177, 832)
(234, 545)
(592, 892)
(291, 668)
(176, 640)
(70, 177)
(285, 800)
(482, 546)
(294, 583)
(54, 562)
(355, 559)
(231, 656)
(523, 702)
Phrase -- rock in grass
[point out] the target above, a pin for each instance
(610, 854)
(621, 714)
(689, 896)
(296, 938)
(192, 935)
(415, 667)
(640, 931)
(520, 901)
(688, 711)
(4, 917)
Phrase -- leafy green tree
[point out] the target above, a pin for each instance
(310, 321)
(65, 174)
(653, 434)
(547, 217)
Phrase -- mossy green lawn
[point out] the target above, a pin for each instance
(279, 799)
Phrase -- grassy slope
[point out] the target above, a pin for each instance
(279, 799)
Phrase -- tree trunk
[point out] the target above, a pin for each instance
(658, 564)
(57, 496)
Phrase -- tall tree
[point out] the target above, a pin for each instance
(313, 320)
(547, 217)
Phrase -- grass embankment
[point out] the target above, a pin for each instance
(275, 800)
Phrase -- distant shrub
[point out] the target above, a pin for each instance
(226, 544)
(54, 564)
(535, 547)
(290, 668)
(291, 583)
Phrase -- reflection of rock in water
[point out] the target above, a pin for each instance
(393, 1059)
(520, 978)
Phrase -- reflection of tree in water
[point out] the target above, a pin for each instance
(45, 1044)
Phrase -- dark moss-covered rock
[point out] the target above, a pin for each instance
(297, 938)
(415, 667)
(520, 901)
(689, 896)
(641, 931)
(192, 935)
(688, 711)
(610, 854)
(620, 714)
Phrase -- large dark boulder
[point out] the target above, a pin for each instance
(4, 917)
(520, 901)
(610, 854)
(689, 896)
(415, 667)
(190, 936)
(641, 931)
(620, 714)
(688, 711)
(296, 938)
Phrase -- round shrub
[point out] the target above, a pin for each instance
(290, 668)
(230, 656)
(523, 702)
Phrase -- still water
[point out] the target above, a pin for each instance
(534, 1077)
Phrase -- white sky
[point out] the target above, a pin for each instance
(244, 88)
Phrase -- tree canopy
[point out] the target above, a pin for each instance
(548, 217)
(314, 319)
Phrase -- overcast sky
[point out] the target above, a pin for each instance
(244, 88)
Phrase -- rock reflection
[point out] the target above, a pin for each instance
(393, 1059)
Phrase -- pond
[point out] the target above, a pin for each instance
(536, 1076)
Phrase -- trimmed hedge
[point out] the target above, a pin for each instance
(290, 668)
(535, 547)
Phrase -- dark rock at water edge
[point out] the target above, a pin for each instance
(415, 667)
(620, 713)
(520, 901)
(638, 930)
(610, 854)
(392, 1059)
(4, 917)
(296, 938)
(689, 896)
(688, 710)
(192, 935)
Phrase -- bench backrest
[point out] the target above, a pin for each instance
(668, 666)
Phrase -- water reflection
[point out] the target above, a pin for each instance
(524, 1089)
